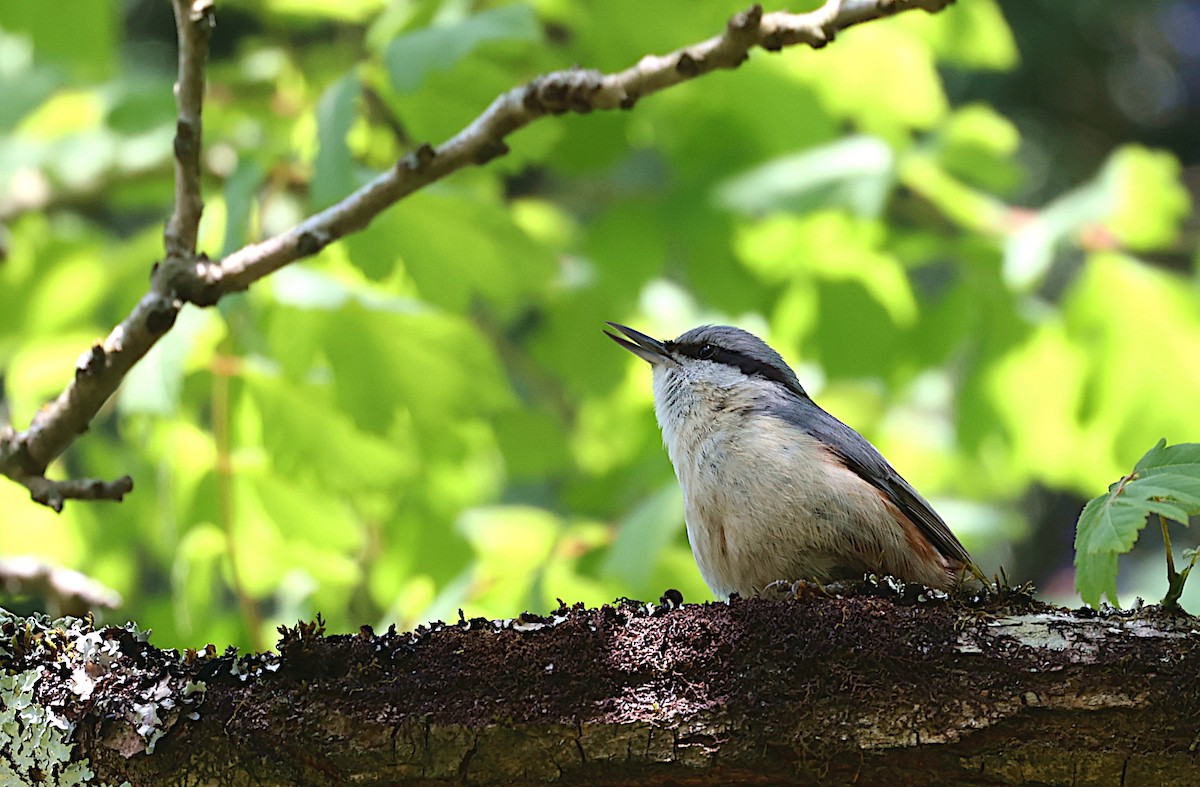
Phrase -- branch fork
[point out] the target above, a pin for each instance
(184, 276)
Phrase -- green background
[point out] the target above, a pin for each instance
(970, 233)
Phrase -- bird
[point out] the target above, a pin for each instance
(776, 489)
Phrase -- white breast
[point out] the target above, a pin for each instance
(764, 501)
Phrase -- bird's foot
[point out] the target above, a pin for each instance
(799, 590)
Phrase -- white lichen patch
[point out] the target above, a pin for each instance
(35, 742)
(69, 662)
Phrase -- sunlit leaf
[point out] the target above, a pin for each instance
(973, 35)
(1042, 420)
(432, 365)
(879, 76)
(513, 539)
(306, 513)
(349, 10)
(855, 173)
(978, 144)
(1148, 200)
(1115, 309)
(306, 435)
(833, 246)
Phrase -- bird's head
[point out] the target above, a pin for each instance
(720, 354)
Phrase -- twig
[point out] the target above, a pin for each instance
(186, 277)
(65, 592)
(380, 110)
(194, 23)
(555, 93)
(55, 493)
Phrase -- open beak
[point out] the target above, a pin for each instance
(641, 345)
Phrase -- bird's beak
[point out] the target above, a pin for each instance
(651, 350)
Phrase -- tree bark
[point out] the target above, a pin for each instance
(881, 686)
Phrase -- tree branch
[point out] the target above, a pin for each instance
(25, 456)
(194, 23)
(184, 276)
(61, 590)
(54, 493)
(555, 93)
(886, 686)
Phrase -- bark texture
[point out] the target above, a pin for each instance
(884, 685)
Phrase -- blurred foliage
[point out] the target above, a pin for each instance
(426, 416)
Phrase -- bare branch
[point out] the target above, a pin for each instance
(556, 93)
(98, 372)
(194, 23)
(65, 592)
(54, 493)
(185, 276)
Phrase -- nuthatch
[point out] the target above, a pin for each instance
(774, 487)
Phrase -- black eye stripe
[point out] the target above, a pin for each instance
(751, 367)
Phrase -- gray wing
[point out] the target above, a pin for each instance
(864, 460)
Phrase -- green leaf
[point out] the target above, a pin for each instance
(1096, 577)
(1166, 482)
(643, 535)
(831, 246)
(307, 434)
(856, 173)
(433, 366)
(333, 170)
(510, 539)
(459, 247)
(1132, 322)
(306, 513)
(1149, 200)
(878, 76)
(1154, 456)
(1167, 510)
(974, 36)
(1109, 523)
(979, 145)
(412, 56)
(1183, 458)
(325, 11)
(1185, 490)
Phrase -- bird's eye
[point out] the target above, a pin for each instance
(705, 352)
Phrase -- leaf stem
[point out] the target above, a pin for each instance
(1175, 579)
(1162, 521)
